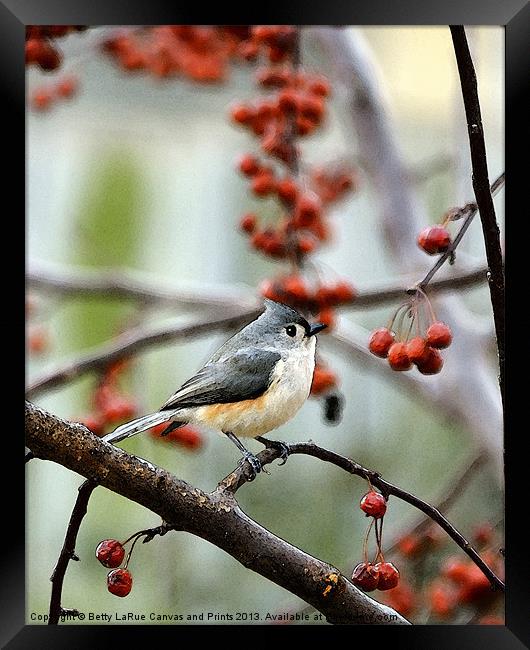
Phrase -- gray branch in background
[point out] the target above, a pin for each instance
(467, 386)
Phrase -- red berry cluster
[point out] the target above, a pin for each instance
(423, 350)
(198, 52)
(378, 574)
(43, 98)
(111, 554)
(303, 226)
(187, 436)
(41, 49)
(275, 42)
(110, 405)
(318, 299)
(295, 107)
(455, 584)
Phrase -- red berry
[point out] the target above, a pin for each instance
(119, 409)
(388, 576)
(38, 340)
(418, 350)
(343, 292)
(119, 582)
(439, 335)
(434, 239)
(306, 244)
(295, 287)
(380, 342)
(110, 553)
(241, 114)
(288, 100)
(398, 357)
(188, 437)
(409, 545)
(326, 316)
(483, 534)
(66, 87)
(95, 423)
(476, 586)
(263, 183)
(374, 504)
(323, 380)
(442, 599)
(308, 208)
(287, 190)
(432, 364)
(249, 165)
(320, 87)
(366, 576)
(455, 569)
(42, 99)
(248, 223)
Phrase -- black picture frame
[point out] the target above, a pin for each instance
(515, 16)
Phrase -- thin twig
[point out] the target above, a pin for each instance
(68, 551)
(468, 213)
(240, 476)
(481, 187)
(455, 490)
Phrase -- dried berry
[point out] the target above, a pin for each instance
(366, 576)
(119, 582)
(110, 553)
(388, 576)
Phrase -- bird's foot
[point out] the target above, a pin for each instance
(278, 445)
(255, 465)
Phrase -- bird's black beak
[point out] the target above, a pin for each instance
(315, 328)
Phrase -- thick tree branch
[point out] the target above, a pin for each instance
(481, 187)
(215, 517)
(68, 552)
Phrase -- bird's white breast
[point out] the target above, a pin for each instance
(290, 385)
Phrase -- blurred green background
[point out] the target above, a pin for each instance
(139, 174)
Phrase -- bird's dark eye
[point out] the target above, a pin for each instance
(291, 330)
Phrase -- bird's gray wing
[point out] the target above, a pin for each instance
(244, 375)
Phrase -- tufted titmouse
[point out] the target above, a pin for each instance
(254, 383)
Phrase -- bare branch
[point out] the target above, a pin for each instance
(135, 340)
(215, 517)
(68, 552)
(240, 476)
(130, 286)
(481, 187)
(455, 489)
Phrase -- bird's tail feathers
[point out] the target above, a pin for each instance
(137, 426)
